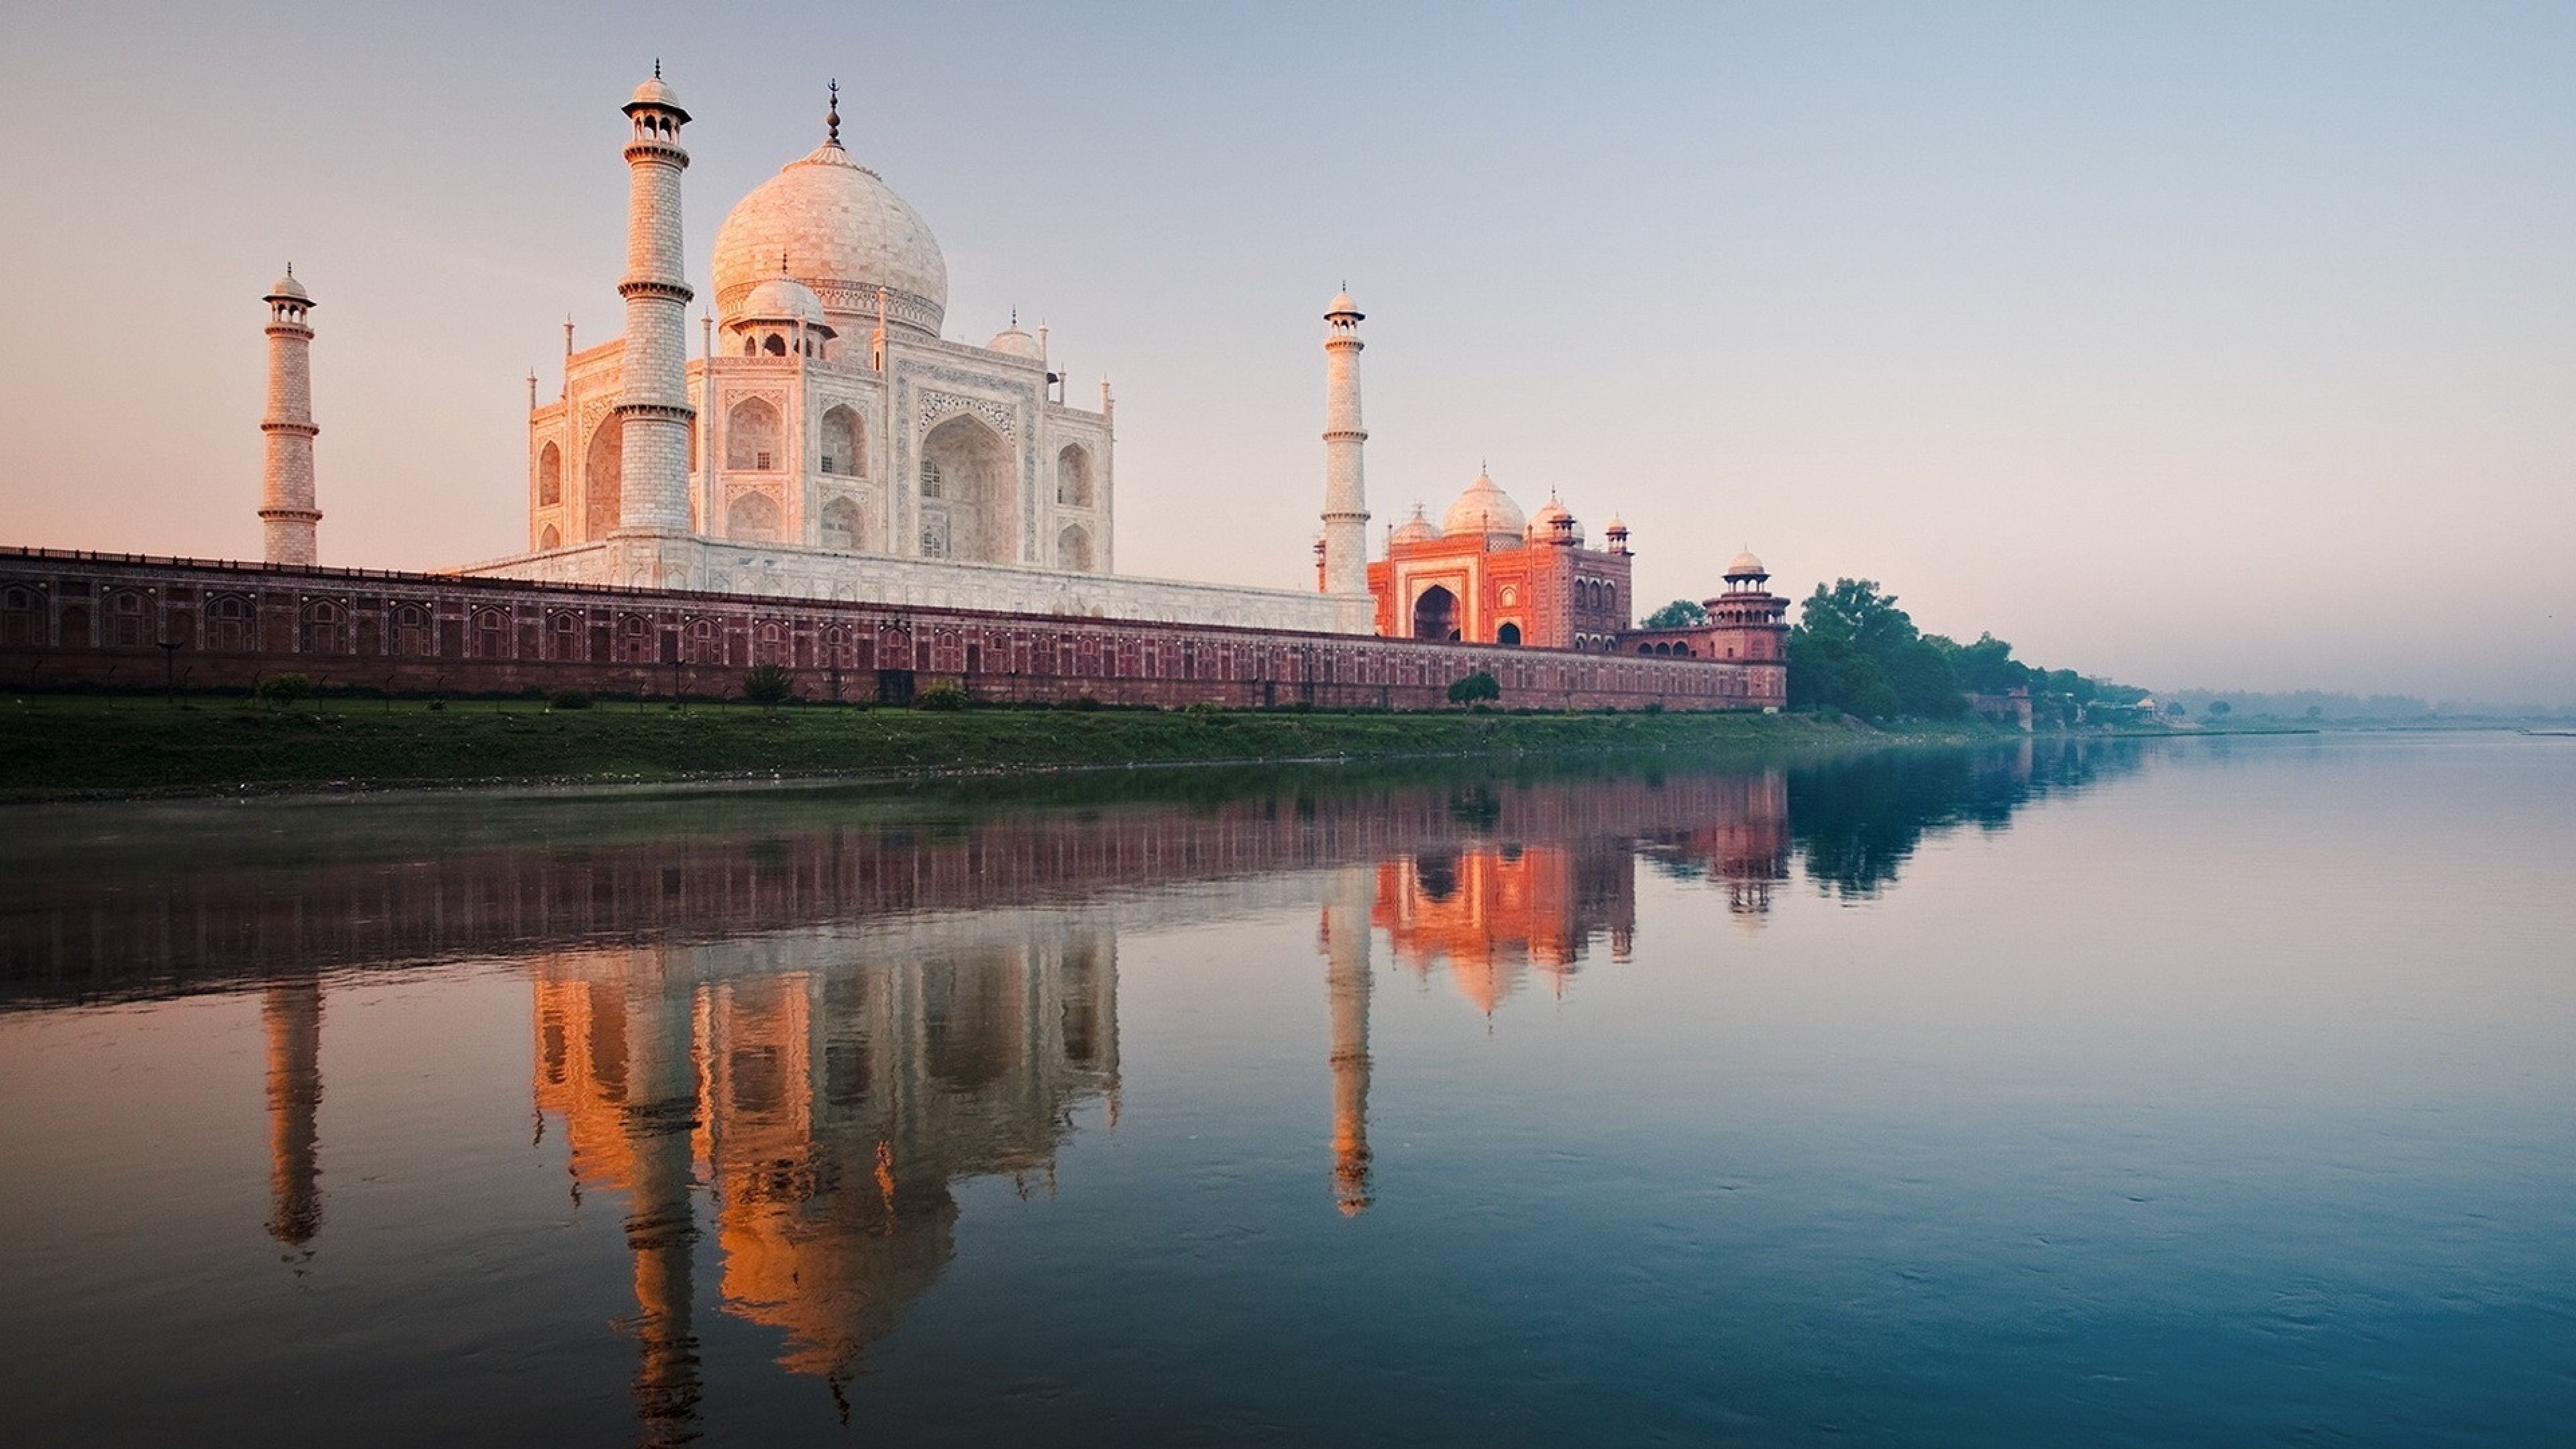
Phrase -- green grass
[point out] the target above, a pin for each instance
(68, 746)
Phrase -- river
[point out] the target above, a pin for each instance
(2206, 1091)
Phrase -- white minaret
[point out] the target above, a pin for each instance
(286, 511)
(653, 393)
(1345, 491)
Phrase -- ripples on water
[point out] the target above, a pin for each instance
(2213, 1092)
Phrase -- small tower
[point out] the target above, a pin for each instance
(286, 511)
(1345, 489)
(653, 409)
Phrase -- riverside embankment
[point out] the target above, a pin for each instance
(57, 747)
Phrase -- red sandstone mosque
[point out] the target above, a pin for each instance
(836, 487)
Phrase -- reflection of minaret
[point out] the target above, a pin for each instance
(660, 1119)
(1346, 979)
(293, 1015)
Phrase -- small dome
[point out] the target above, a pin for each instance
(783, 299)
(1343, 306)
(1416, 529)
(1486, 509)
(655, 93)
(1017, 343)
(1614, 525)
(289, 288)
(1746, 566)
(1553, 523)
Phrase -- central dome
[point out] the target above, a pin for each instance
(1485, 509)
(844, 234)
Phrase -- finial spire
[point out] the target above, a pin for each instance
(657, 67)
(290, 269)
(782, 261)
(832, 115)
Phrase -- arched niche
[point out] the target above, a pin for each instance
(601, 470)
(752, 437)
(1073, 549)
(549, 476)
(1073, 477)
(843, 526)
(752, 518)
(845, 440)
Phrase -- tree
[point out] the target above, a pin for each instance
(1476, 686)
(767, 685)
(1679, 614)
(2176, 709)
(281, 690)
(2219, 709)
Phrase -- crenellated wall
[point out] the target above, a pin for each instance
(83, 620)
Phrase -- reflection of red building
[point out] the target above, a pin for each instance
(1743, 850)
(1490, 913)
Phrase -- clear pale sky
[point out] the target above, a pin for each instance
(2227, 345)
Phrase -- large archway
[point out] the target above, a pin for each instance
(600, 477)
(843, 438)
(969, 508)
(1435, 614)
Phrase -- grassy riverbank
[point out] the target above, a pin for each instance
(54, 747)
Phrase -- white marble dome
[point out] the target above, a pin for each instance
(844, 234)
(783, 299)
(288, 287)
(1484, 508)
(1746, 566)
(1016, 343)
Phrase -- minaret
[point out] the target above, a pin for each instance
(286, 511)
(1345, 492)
(653, 393)
(1346, 987)
(661, 1118)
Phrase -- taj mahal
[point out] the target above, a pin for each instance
(828, 442)
(826, 483)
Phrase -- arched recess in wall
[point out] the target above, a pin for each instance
(550, 539)
(752, 436)
(973, 514)
(843, 526)
(1073, 477)
(753, 518)
(1508, 634)
(1435, 614)
(844, 439)
(600, 475)
(1073, 549)
(549, 476)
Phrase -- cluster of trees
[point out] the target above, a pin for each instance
(1853, 651)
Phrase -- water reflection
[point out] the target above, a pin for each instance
(780, 1030)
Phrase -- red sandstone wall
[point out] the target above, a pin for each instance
(94, 620)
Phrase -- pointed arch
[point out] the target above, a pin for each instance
(845, 439)
(970, 499)
(1073, 477)
(600, 476)
(1073, 549)
(844, 527)
(752, 436)
(752, 517)
(549, 476)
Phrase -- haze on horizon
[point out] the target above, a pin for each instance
(2187, 345)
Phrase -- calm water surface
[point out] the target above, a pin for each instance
(2210, 1092)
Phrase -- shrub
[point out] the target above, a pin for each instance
(767, 685)
(436, 704)
(940, 696)
(281, 690)
(568, 699)
(1084, 701)
(1476, 686)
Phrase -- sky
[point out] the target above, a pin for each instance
(2223, 345)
